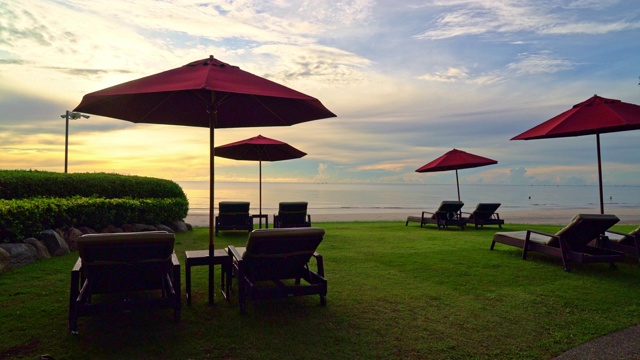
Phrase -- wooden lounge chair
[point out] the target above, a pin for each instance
(133, 271)
(448, 213)
(275, 261)
(484, 214)
(627, 243)
(233, 215)
(292, 214)
(571, 243)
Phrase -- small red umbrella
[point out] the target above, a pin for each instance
(206, 93)
(259, 148)
(454, 160)
(597, 115)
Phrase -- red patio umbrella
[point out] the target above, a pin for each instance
(259, 148)
(454, 160)
(597, 115)
(206, 93)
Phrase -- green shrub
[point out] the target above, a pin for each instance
(24, 218)
(26, 184)
(32, 201)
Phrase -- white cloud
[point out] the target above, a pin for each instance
(461, 74)
(450, 75)
(476, 17)
(539, 63)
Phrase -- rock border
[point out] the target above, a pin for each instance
(61, 242)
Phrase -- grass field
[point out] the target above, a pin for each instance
(395, 292)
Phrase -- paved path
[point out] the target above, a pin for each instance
(620, 345)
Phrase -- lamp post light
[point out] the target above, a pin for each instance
(69, 115)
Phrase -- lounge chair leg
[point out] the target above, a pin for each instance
(323, 300)
(493, 243)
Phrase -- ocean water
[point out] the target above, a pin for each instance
(328, 198)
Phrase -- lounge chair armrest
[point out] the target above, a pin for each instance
(319, 262)
(540, 233)
(233, 253)
(619, 233)
(77, 265)
(496, 215)
(427, 212)
(463, 212)
(174, 260)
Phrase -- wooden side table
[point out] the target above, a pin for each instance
(260, 217)
(201, 257)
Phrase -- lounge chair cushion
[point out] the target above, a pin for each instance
(275, 261)
(522, 235)
(279, 253)
(583, 226)
(94, 248)
(292, 214)
(234, 207)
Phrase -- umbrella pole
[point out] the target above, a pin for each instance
(260, 166)
(457, 184)
(211, 203)
(600, 174)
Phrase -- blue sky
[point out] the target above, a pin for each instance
(409, 81)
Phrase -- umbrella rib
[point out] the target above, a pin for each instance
(269, 110)
(143, 117)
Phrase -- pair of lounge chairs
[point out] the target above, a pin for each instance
(234, 215)
(450, 213)
(583, 240)
(123, 272)
(130, 271)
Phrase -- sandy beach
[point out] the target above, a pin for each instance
(552, 217)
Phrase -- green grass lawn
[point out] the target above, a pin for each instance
(394, 292)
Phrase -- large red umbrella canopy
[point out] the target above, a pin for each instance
(192, 94)
(456, 159)
(259, 148)
(206, 93)
(596, 115)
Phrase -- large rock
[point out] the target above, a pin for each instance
(87, 230)
(21, 254)
(71, 237)
(112, 229)
(129, 228)
(54, 243)
(41, 249)
(144, 227)
(164, 228)
(5, 260)
(179, 226)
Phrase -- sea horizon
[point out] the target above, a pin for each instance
(351, 198)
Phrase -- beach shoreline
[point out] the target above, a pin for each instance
(627, 216)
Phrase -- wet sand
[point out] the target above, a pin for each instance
(551, 217)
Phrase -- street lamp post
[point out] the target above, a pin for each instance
(69, 115)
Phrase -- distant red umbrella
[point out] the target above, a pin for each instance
(259, 148)
(206, 93)
(597, 115)
(454, 160)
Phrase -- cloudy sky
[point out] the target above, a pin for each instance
(408, 79)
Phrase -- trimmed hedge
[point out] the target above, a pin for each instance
(92, 200)
(26, 184)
